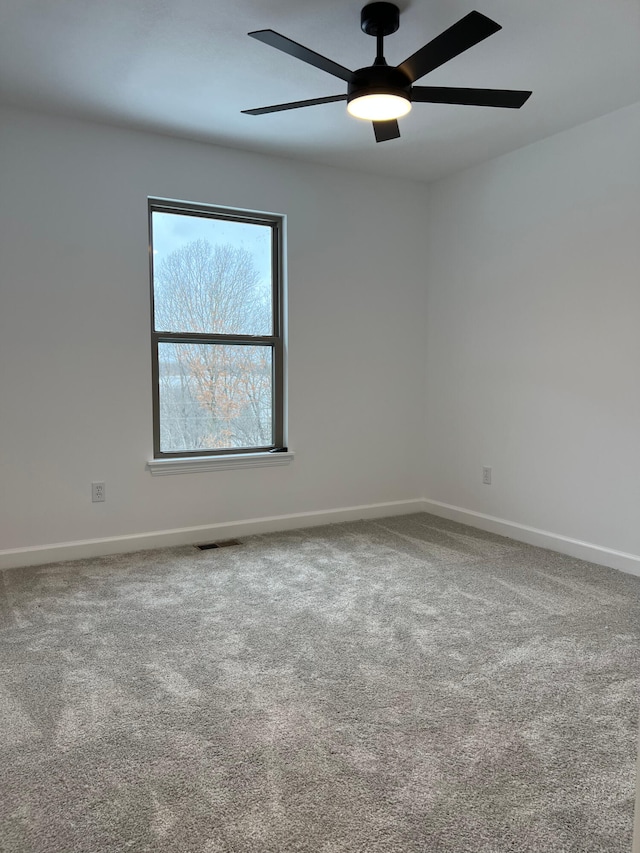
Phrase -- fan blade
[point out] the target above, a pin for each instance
(294, 105)
(469, 30)
(474, 97)
(300, 52)
(385, 130)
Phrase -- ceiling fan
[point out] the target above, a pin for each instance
(383, 93)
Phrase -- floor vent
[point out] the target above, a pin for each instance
(224, 543)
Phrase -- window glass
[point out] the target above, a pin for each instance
(211, 275)
(217, 330)
(214, 396)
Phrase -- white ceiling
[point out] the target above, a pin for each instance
(187, 68)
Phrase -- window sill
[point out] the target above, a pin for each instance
(192, 464)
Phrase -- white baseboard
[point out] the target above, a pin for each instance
(83, 549)
(629, 563)
(80, 550)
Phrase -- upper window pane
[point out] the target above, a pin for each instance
(211, 275)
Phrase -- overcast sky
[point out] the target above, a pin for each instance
(173, 230)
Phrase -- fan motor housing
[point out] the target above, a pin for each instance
(380, 19)
(379, 80)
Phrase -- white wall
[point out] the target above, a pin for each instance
(533, 335)
(75, 387)
(528, 326)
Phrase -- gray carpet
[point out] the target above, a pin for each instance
(407, 684)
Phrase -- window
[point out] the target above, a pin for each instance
(216, 305)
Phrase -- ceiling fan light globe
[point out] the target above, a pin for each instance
(379, 107)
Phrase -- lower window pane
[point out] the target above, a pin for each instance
(215, 396)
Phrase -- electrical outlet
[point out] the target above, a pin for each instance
(97, 492)
(486, 476)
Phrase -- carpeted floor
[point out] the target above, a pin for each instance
(392, 686)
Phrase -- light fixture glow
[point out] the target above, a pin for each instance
(379, 107)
